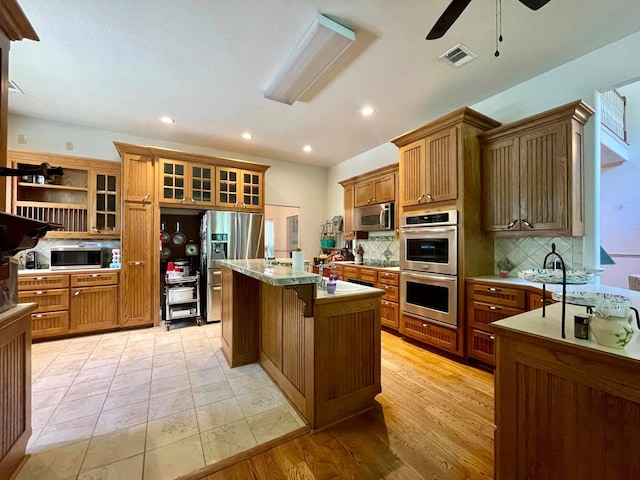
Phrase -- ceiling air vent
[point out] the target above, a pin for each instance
(458, 56)
(13, 87)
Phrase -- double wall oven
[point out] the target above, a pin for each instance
(429, 264)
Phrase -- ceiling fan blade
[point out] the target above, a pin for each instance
(534, 4)
(448, 18)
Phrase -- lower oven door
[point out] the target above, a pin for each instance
(430, 296)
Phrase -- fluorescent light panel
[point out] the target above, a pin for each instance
(320, 46)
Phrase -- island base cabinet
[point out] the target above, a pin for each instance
(240, 318)
(15, 386)
(564, 412)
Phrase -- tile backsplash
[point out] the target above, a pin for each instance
(44, 247)
(529, 252)
(380, 248)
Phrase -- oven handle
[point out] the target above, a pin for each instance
(450, 228)
(430, 276)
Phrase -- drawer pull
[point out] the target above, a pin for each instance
(494, 289)
(491, 307)
(146, 197)
(94, 275)
(492, 337)
(77, 293)
(426, 325)
(39, 278)
(39, 315)
(137, 263)
(40, 292)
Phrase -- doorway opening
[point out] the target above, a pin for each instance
(280, 230)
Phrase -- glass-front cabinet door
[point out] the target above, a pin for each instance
(105, 208)
(251, 189)
(227, 183)
(202, 185)
(174, 181)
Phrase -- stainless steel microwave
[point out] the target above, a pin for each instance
(70, 258)
(373, 218)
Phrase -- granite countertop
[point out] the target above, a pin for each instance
(346, 289)
(42, 271)
(549, 327)
(277, 275)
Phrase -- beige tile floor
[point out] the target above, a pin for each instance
(146, 404)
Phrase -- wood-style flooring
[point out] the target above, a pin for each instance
(434, 421)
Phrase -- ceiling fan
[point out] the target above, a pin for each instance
(455, 9)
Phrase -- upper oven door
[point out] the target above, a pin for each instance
(430, 249)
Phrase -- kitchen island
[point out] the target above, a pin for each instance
(565, 408)
(322, 350)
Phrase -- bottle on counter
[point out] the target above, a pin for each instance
(331, 284)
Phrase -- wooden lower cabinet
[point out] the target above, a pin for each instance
(488, 302)
(429, 332)
(80, 303)
(389, 314)
(94, 308)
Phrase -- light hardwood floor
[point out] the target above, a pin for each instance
(434, 421)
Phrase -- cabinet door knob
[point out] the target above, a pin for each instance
(511, 225)
(420, 198)
(429, 196)
(526, 223)
(182, 200)
(95, 229)
(77, 293)
(146, 197)
(192, 200)
(492, 337)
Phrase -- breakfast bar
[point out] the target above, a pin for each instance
(321, 349)
(565, 408)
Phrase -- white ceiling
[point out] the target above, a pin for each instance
(118, 65)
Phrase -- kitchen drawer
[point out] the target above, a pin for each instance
(390, 292)
(389, 314)
(349, 272)
(388, 278)
(427, 332)
(367, 275)
(509, 297)
(535, 300)
(94, 279)
(49, 324)
(481, 346)
(483, 314)
(42, 282)
(47, 300)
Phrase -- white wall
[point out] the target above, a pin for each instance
(620, 202)
(285, 183)
(579, 79)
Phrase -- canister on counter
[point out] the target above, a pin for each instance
(581, 326)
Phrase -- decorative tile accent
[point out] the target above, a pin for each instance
(529, 252)
(381, 249)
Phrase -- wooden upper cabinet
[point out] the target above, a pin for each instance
(532, 173)
(239, 188)
(174, 178)
(349, 232)
(412, 173)
(105, 205)
(429, 169)
(138, 178)
(202, 184)
(85, 200)
(379, 190)
(441, 160)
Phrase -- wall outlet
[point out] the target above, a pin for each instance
(68, 145)
(22, 139)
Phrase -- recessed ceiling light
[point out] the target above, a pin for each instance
(366, 111)
(307, 148)
(167, 120)
(247, 136)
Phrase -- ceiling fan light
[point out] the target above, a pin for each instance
(319, 48)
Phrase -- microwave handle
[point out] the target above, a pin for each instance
(430, 276)
(383, 223)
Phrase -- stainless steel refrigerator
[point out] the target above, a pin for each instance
(227, 235)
